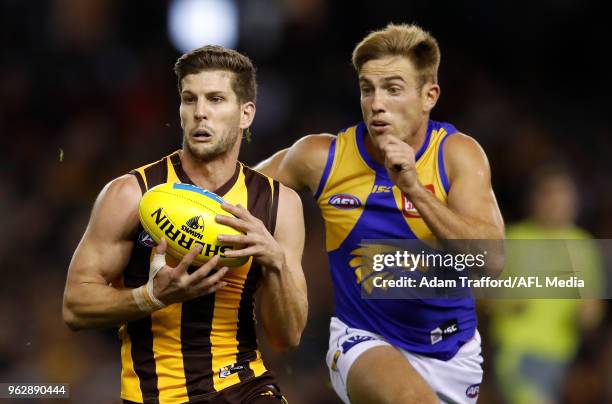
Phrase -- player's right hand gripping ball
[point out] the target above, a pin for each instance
(185, 215)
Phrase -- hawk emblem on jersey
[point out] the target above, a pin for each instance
(362, 264)
(408, 208)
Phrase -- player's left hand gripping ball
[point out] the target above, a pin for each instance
(185, 215)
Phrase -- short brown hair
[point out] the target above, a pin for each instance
(408, 40)
(214, 57)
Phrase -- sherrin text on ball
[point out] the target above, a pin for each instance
(185, 215)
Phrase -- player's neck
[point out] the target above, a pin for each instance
(210, 174)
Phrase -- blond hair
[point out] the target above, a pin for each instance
(407, 40)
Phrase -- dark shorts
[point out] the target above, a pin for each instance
(259, 390)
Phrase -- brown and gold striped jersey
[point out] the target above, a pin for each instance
(189, 351)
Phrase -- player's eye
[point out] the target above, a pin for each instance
(394, 90)
(216, 99)
(188, 99)
(366, 90)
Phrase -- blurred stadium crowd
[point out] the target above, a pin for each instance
(88, 93)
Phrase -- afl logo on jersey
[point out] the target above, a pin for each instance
(344, 201)
(145, 240)
(408, 208)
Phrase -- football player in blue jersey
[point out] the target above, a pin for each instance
(397, 175)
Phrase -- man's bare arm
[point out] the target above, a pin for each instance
(301, 165)
(100, 259)
(284, 305)
(284, 301)
(471, 212)
(101, 256)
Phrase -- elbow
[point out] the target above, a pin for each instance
(288, 343)
(492, 253)
(293, 341)
(496, 261)
(496, 268)
(287, 339)
(71, 319)
(294, 336)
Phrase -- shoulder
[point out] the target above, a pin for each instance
(120, 197)
(261, 180)
(306, 159)
(124, 188)
(460, 144)
(115, 212)
(463, 153)
(313, 145)
(289, 197)
(290, 216)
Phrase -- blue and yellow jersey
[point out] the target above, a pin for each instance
(359, 201)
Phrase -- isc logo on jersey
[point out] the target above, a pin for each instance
(344, 201)
(408, 208)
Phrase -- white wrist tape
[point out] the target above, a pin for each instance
(158, 262)
(141, 298)
(144, 296)
(158, 303)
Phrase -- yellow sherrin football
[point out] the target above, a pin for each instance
(185, 215)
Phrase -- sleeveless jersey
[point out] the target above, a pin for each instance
(359, 201)
(189, 351)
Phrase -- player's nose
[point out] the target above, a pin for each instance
(377, 102)
(201, 111)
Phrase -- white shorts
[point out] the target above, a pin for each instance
(454, 381)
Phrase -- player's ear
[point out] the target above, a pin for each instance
(247, 114)
(430, 94)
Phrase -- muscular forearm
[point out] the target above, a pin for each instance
(284, 307)
(446, 224)
(94, 305)
(476, 236)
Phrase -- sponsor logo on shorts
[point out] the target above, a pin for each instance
(443, 331)
(145, 240)
(473, 391)
(352, 341)
(231, 369)
(344, 201)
